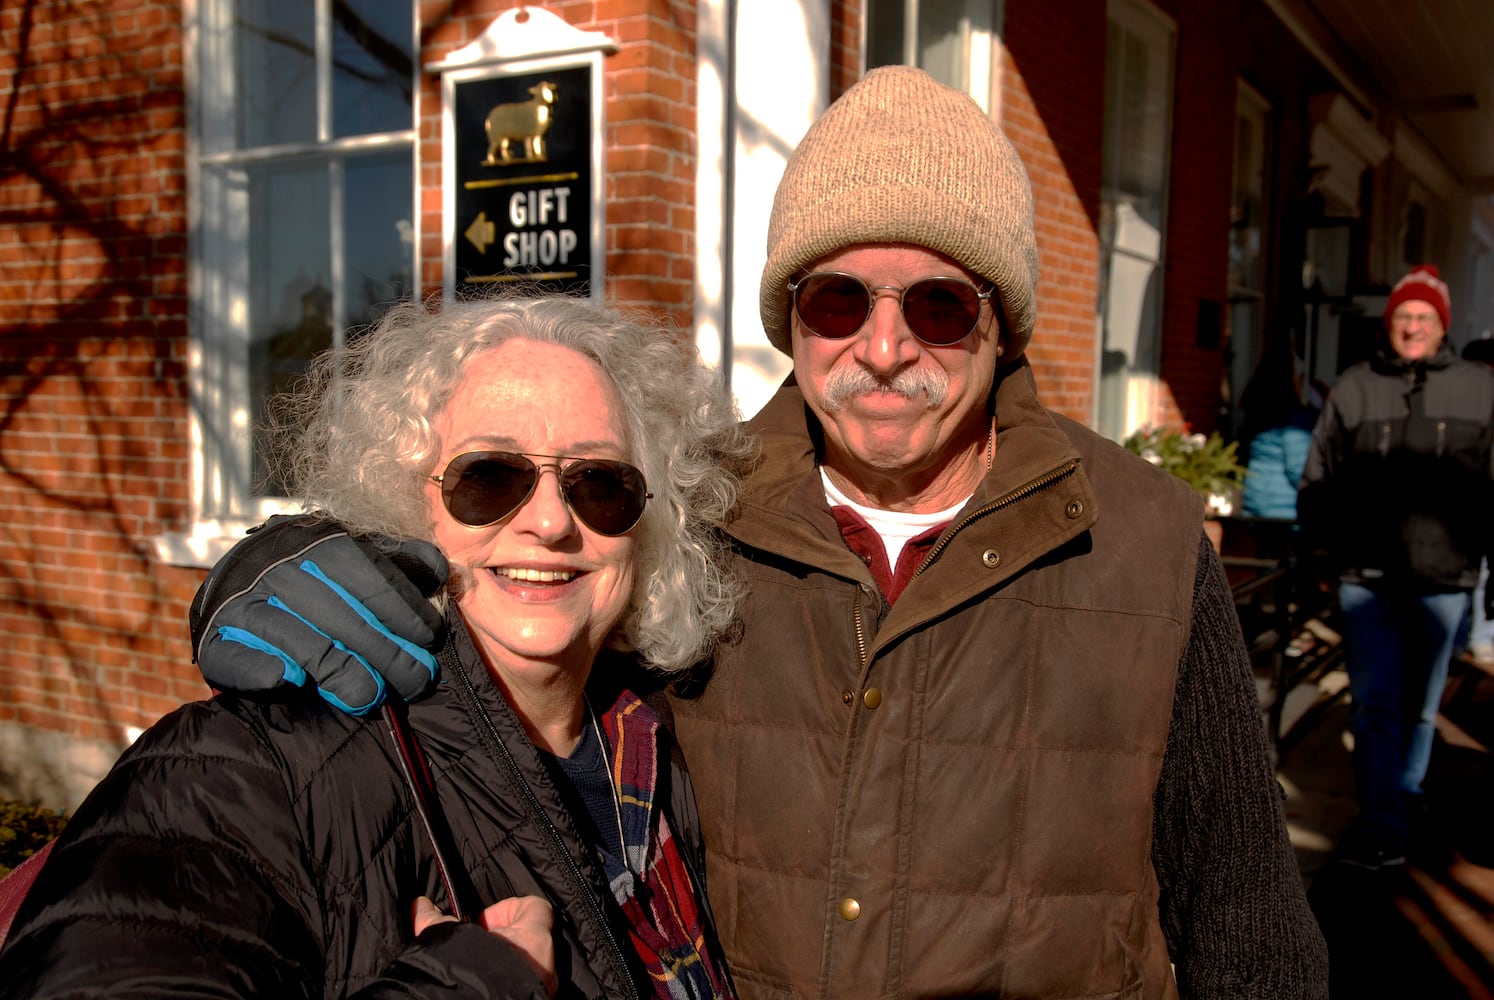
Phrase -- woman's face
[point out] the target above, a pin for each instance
(539, 587)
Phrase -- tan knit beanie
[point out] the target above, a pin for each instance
(901, 158)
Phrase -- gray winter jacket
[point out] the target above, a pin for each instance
(1399, 483)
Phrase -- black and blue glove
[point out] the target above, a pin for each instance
(300, 598)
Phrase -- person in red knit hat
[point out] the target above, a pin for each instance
(1397, 489)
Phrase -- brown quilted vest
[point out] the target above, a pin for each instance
(956, 799)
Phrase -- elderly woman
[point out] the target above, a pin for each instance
(569, 466)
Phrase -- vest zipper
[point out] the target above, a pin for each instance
(1021, 493)
(860, 628)
(558, 851)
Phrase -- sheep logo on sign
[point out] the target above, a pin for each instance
(521, 121)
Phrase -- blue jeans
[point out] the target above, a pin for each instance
(1398, 646)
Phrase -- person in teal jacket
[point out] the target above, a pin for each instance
(1278, 434)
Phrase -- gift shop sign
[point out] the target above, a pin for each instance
(522, 153)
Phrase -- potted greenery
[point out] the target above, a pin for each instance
(1208, 464)
(24, 828)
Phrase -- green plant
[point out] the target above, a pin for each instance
(1207, 464)
(24, 828)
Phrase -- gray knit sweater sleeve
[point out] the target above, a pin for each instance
(1232, 901)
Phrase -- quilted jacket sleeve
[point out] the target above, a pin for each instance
(457, 960)
(185, 873)
(1233, 907)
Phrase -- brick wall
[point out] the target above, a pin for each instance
(845, 45)
(93, 300)
(1052, 108)
(1198, 213)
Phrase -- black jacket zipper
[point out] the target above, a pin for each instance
(559, 853)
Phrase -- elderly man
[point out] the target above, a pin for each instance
(1398, 489)
(988, 728)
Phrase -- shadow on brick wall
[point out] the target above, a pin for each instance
(94, 449)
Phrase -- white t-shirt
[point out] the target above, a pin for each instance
(894, 527)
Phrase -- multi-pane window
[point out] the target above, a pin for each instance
(304, 133)
(1247, 243)
(1133, 203)
(950, 39)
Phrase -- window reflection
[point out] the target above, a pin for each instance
(373, 64)
(949, 40)
(275, 48)
(290, 304)
(378, 236)
(294, 309)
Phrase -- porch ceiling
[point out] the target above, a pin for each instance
(1432, 61)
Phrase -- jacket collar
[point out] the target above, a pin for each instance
(1387, 362)
(782, 508)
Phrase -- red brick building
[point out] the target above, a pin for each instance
(197, 194)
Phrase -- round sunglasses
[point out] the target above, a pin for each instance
(481, 488)
(940, 311)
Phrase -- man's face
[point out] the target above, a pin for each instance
(905, 423)
(1416, 330)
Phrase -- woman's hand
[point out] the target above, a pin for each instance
(523, 921)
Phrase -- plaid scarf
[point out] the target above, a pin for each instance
(651, 881)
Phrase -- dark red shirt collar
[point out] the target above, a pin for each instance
(862, 539)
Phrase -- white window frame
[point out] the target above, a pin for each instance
(222, 503)
(976, 49)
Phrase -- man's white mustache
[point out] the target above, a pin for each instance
(846, 383)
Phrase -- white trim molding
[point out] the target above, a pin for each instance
(1343, 145)
(521, 33)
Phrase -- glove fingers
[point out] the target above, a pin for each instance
(381, 631)
(414, 572)
(242, 661)
(343, 567)
(378, 630)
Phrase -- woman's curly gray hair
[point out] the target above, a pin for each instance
(355, 443)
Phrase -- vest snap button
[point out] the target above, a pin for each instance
(990, 558)
(1074, 509)
(849, 909)
(872, 698)
(848, 696)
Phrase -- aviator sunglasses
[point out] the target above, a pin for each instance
(939, 311)
(481, 488)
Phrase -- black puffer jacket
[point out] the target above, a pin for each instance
(1399, 484)
(270, 849)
